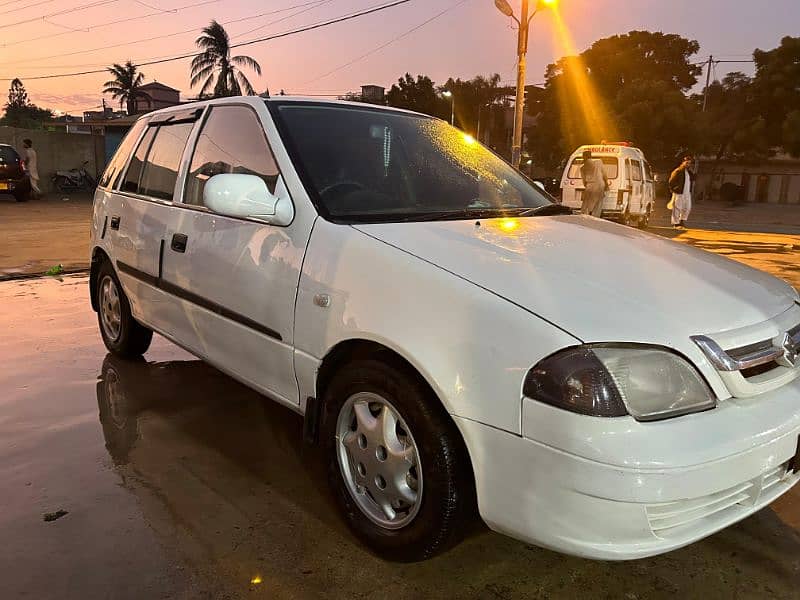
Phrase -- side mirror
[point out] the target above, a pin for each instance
(247, 197)
(540, 185)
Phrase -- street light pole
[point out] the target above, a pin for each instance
(519, 113)
(452, 96)
(524, 23)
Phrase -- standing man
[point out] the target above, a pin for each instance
(594, 184)
(681, 184)
(32, 166)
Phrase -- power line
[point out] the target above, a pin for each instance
(284, 34)
(19, 8)
(315, 5)
(66, 11)
(105, 24)
(162, 36)
(390, 42)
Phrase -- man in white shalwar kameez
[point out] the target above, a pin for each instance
(681, 184)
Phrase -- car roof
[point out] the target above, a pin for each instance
(254, 100)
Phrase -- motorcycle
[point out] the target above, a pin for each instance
(74, 180)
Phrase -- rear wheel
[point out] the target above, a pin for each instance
(21, 195)
(644, 219)
(122, 334)
(396, 463)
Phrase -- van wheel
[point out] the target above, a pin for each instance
(626, 218)
(396, 463)
(122, 334)
(644, 220)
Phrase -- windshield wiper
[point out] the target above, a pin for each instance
(469, 213)
(548, 210)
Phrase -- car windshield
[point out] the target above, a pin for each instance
(374, 165)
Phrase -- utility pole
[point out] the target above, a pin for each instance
(519, 113)
(708, 82)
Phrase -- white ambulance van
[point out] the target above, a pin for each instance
(630, 198)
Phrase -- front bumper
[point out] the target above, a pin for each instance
(615, 489)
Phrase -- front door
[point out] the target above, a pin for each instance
(234, 281)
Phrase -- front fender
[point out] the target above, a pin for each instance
(472, 347)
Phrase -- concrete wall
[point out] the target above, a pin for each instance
(774, 171)
(58, 151)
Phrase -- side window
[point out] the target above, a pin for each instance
(131, 181)
(117, 164)
(636, 170)
(648, 171)
(231, 141)
(161, 166)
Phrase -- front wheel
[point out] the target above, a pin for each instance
(122, 334)
(397, 465)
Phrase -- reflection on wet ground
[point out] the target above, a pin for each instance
(180, 482)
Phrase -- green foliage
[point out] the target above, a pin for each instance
(20, 112)
(218, 71)
(125, 85)
(776, 89)
(633, 85)
(418, 95)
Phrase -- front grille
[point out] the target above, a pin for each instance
(670, 518)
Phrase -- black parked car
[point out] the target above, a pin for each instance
(13, 178)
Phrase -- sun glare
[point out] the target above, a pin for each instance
(593, 116)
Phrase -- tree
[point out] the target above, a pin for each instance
(473, 98)
(632, 86)
(418, 95)
(20, 112)
(17, 96)
(217, 69)
(777, 91)
(126, 85)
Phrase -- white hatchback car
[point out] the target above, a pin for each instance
(449, 334)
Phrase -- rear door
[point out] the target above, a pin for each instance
(636, 205)
(234, 281)
(140, 208)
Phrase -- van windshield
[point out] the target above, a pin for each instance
(370, 165)
(610, 166)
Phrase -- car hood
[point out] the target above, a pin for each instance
(597, 280)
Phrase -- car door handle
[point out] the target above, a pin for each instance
(115, 223)
(179, 242)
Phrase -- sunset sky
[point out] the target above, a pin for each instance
(43, 37)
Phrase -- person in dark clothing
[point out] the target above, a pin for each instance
(681, 184)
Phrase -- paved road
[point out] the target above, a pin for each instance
(180, 483)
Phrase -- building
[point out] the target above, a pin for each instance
(374, 94)
(773, 181)
(158, 96)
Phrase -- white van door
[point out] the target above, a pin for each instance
(234, 281)
(636, 204)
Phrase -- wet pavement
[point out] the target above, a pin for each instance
(180, 483)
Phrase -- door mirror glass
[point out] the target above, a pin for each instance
(247, 197)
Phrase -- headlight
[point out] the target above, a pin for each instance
(613, 381)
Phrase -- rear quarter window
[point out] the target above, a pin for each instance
(114, 169)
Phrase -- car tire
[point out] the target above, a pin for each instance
(644, 220)
(21, 196)
(122, 334)
(440, 477)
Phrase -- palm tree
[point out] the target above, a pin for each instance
(125, 85)
(216, 63)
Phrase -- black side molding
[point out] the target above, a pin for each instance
(197, 300)
(312, 421)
